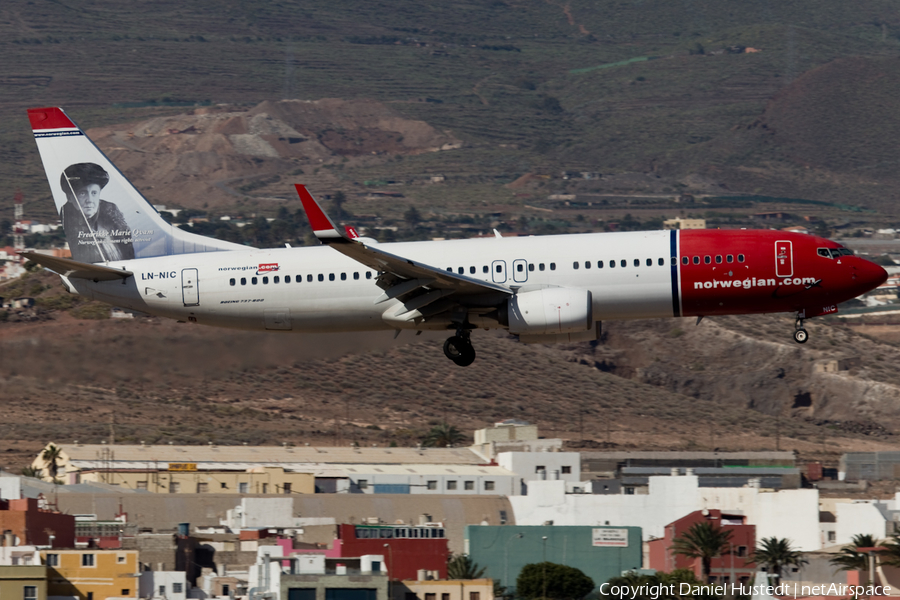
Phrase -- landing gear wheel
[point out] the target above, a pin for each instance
(459, 350)
(800, 336)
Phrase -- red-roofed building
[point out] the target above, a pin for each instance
(32, 525)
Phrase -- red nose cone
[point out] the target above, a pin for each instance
(869, 275)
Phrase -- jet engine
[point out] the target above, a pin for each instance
(550, 311)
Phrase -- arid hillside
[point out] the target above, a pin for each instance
(737, 383)
(211, 157)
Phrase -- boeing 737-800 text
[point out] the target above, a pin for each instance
(544, 289)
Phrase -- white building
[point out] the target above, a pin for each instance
(467, 480)
(874, 517)
(163, 585)
(565, 466)
(793, 514)
(12, 556)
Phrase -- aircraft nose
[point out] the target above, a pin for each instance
(869, 274)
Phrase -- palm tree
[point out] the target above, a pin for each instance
(850, 558)
(50, 455)
(31, 472)
(775, 553)
(462, 566)
(891, 553)
(443, 435)
(704, 541)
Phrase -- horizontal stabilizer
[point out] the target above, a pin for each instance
(77, 270)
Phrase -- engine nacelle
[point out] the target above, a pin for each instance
(550, 311)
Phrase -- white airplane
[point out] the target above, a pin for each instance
(544, 289)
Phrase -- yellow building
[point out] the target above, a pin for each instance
(92, 574)
(185, 478)
(25, 582)
(444, 589)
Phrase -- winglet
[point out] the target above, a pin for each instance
(322, 226)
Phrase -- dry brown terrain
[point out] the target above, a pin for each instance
(731, 384)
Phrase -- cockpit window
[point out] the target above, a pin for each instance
(834, 252)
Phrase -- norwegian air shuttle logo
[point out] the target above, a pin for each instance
(267, 268)
(753, 282)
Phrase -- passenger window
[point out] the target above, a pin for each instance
(718, 259)
(623, 263)
(287, 279)
(461, 270)
(232, 281)
(253, 280)
(471, 270)
(684, 260)
(449, 269)
(740, 258)
(587, 264)
(331, 277)
(276, 279)
(321, 277)
(343, 277)
(674, 261)
(266, 280)
(696, 260)
(368, 274)
(650, 262)
(531, 266)
(356, 276)
(243, 281)
(612, 264)
(662, 261)
(637, 262)
(485, 269)
(309, 278)
(707, 259)
(599, 264)
(520, 267)
(552, 266)
(729, 258)
(541, 267)
(575, 265)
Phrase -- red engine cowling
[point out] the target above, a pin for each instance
(550, 310)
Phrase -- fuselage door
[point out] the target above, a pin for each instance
(520, 271)
(498, 271)
(190, 291)
(784, 259)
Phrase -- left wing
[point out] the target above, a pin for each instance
(422, 288)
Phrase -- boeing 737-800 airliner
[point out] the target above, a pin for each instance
(544, 289)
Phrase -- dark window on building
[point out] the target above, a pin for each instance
(469, 485)
(431, 485)
(503, 519)
(87, 560)
(451, 485)
(489, 486)
(287, 488)
(362, 484)
(53, 560)
(566, 470)
(29, 592)
(125, 592)
(232, 281)
(176, 588)
(742, 551)
(474, 595)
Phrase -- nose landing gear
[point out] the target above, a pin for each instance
(459, 348)
(800, 334)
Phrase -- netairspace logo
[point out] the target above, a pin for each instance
(656, 591)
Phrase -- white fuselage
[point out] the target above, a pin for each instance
(320, 290)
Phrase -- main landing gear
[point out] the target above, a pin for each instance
(800, 334)
(459, 348)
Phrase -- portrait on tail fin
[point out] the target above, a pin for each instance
(95, 228)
